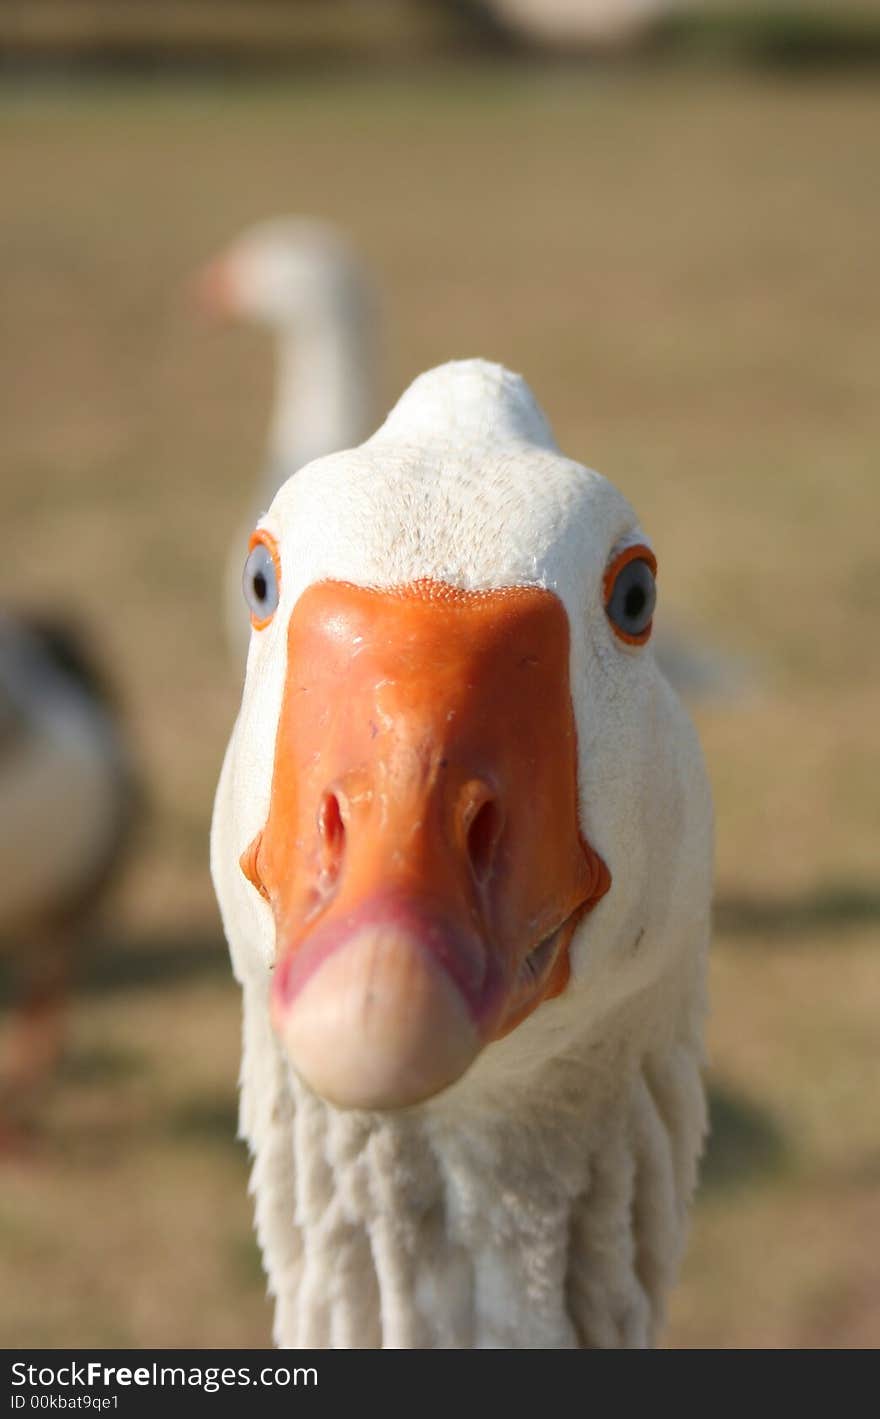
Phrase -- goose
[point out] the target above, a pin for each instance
(66, 807)
(462, 845)
(301, 278)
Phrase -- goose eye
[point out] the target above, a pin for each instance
(631, 594)
(260, 581)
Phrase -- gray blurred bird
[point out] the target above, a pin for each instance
(67, 796)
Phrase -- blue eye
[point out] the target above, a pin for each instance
(260, 583)
(631, 595)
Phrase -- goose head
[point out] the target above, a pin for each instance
(462, 816)
(283, 273)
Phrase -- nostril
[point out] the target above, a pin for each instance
(331, 826)
(482, 837)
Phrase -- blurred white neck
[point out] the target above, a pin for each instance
(324, 388)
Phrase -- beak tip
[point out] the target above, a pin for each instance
(378, 1024)
(212, 291)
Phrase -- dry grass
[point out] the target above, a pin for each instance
(686, 270)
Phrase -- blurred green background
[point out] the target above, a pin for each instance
(674, 236)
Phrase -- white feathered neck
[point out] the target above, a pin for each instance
(324, 386)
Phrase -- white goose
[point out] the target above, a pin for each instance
(462, 848)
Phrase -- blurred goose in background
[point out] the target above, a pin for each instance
(66, 806)
(301, 278)
(568, 26)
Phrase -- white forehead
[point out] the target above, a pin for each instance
(463, 483)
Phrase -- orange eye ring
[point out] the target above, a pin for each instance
(637, 553)
(260, 537)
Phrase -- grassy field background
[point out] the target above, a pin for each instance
(684, 266)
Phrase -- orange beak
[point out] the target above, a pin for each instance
(214, 291)
(422, 854)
